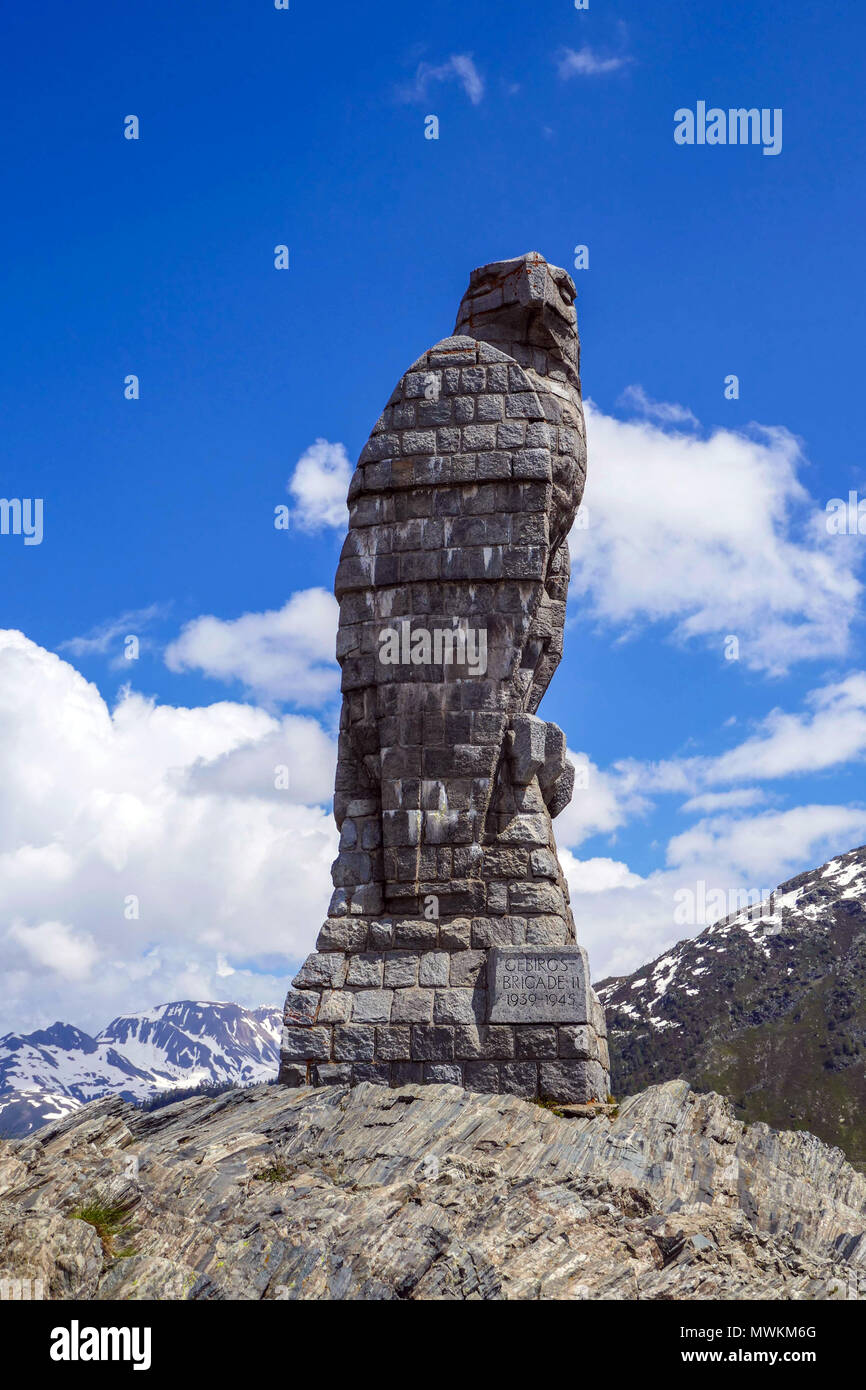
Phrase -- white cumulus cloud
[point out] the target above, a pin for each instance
(830, 733)
(714, 538)
(724, 801)
(285, 654)
(145, 852)
(319, 485)
(57, 947)
(601, 802)
(765, 848)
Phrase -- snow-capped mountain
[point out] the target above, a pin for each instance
(46, 1074)
(766, 1005)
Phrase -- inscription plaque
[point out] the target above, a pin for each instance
(538, 984)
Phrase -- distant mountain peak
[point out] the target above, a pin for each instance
(184, 1043)
(57, 1035)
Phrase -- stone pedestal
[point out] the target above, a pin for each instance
(493, 1004)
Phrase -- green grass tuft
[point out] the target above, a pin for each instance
(111, 1223)
(278, 1171)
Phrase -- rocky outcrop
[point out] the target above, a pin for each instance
(767, 1006)
(430, 1192)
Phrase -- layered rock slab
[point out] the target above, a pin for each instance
(432, 1192)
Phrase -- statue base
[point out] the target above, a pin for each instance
(500, 1004)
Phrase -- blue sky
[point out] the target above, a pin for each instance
(155, 257)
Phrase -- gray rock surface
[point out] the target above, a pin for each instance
(432, 1192)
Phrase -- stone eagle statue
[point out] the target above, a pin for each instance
(452, 586)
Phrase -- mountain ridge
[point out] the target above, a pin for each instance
(766, 1005)
(47, 1074)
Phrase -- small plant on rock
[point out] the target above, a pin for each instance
(278, 1171)
(110, 1220)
